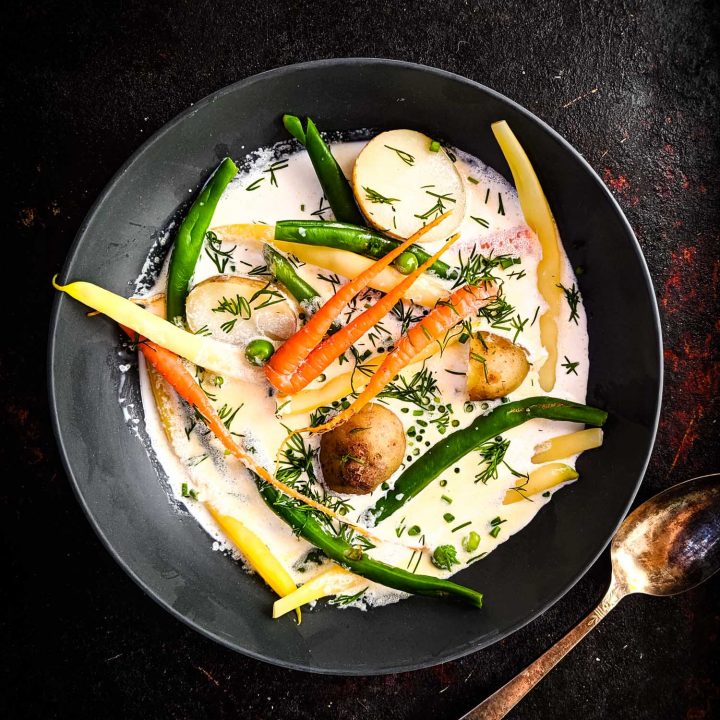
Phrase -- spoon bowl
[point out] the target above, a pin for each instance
(671, 543)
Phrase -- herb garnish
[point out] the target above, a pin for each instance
(272, 169)
(377, 198)
(406, 157)
(570, 367)
(572, 295)
(219, 257)
(444, 557)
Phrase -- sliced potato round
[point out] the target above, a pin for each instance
(497, 366)
(400, 184)
(238, 309)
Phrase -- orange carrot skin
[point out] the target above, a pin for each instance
(463, 302)
(332, 347)
(169, 365)
(294, 351)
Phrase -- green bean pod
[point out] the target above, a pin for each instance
(190, 238)
(452, 448)
(284, 272)
(335, 186)
(304, 524)
(360, 240)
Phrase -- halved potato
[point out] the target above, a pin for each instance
(400, 184)
(238, 309)
(496, 368)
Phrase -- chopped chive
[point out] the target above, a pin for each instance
(464, 525)
(477, 557)
(184, 490)
(472, 180)
(414, 530)
(448, 517)
(434, 146)
(481, 221)
(495, 531)
(497, 521)
(501, 207)
(487, 195)
(447, 499)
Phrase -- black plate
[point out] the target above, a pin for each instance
(169, 555)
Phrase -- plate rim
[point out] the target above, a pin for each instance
(59, 300)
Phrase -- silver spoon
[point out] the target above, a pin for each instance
(669, 544)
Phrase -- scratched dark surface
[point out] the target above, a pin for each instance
(632, 85)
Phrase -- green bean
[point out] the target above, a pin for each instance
(452, 448)
(337, 189)
(360, 240)
(353, 558)
(284, 272)
(259, 351)
(190, 239)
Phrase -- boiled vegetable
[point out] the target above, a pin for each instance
(455, 446)
(236, 309)
(425, 291)
(332, 581)
(400, 185)
(539, 217)
(190, 238)
(284, 272)
(564, 446)
(299, 360)
(353, 558)
(259, 351)
(496, 366)
(540, 480)
(352, 238)
(206, 352)
(332, 179)
(430, 330)
(364, 452)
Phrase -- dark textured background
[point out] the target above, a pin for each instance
(632, 85)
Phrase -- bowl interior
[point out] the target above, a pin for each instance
(169, 555)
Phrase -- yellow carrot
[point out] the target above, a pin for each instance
(257, 553)
(539, 217)
(220, 357)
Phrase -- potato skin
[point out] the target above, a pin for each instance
(505, 367)
(363, 452)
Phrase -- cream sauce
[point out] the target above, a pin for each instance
(493, 223)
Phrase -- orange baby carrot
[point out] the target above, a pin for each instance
(290, 356)
(336, 344)
(171, 367)
(461, 303)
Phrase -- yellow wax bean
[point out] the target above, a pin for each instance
(424, 291)
(540, 480)
(256, 552)
(221, 358)
(329, 582)
(566, 445)
(540, 219)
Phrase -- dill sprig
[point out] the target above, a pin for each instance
(237, 306)
(572, 295)
(378, 198)
(406, 157)
(420, 390)
(405, 315)
(342, 600)
(570, 366)
(275, 167)
(322, 209)
(438, 208)
(476, 268)
(214, 251)
(492, 455)
(481, 221)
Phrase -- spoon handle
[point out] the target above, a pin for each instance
(503, 700)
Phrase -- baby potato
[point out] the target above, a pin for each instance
(497, 366)
(236, 309)
(362, 453)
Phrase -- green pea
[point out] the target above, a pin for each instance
(470, 542)
(406, 263)
(259, 351)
